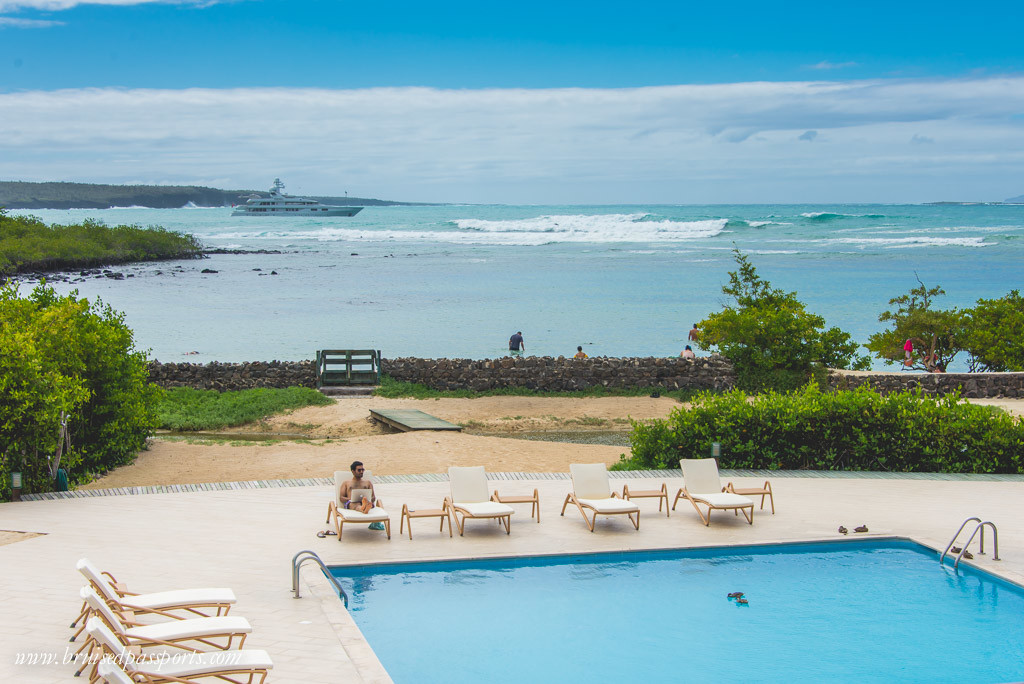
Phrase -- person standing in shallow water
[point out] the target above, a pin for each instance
(580, 354)
(516, 345)
(694, 333)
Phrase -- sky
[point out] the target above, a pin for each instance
(531, 102)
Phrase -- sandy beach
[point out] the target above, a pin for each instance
(335, 435)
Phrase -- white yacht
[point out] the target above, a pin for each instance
(280, 204)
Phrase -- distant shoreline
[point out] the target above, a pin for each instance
(26, 195)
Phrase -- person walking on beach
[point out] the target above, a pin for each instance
(516, 345)
(580, 354)
(356, 483)
(694, 333)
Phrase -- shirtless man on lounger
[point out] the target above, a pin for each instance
(357, 482)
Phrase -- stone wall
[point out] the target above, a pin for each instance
(233, 376)
(972, 385)
(562, 374)
(535, 372)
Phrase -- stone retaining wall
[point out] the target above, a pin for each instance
(546, 373)
(535, 372)
(233, 376)
(971, 385)
(561, 374)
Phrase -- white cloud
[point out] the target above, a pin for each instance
(14, 22)
(826, 65)
(696, 143)
(56, 5)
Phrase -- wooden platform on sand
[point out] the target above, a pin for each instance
(407, 420)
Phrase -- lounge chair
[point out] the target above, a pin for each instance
(166, 603)
(470, 498)
(592, 490)
(173, 633)
(252, 665)
(702, 486)
(342, 515)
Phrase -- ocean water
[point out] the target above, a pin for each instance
(458, 280)
(881, 611)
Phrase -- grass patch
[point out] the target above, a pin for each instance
(390, 388)
(186, 409)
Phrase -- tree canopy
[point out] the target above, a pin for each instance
(770, 336)
(65, 355)
(992, 334)
(936, 334)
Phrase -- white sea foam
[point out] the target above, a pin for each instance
(908, 242)
(601, 228)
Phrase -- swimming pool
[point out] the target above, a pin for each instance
(868, 611)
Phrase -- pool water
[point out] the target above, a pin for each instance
(866, 611)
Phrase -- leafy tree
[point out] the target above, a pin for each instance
(770, 337)
(63, 354)
(992, 334)
(937, 334)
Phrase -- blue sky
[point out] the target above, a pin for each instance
(865, 101)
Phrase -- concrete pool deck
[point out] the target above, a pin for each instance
(245, 539)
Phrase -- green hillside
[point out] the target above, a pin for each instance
(23, 195)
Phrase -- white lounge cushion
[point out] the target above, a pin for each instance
(484, 509)
(172, 630)
(723, 500)
(161, 599)
(590, 480)
(192, 664)
(180, 597)
(375, 514)
(468, 484)
(700, 474)
(193, 628)
(610, 505)
(185, 664)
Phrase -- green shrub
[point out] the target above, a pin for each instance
(189, 409)
(28, 244)
(63, 354)
(854, 430)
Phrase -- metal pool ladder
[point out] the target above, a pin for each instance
(981, 549)
(308, 555)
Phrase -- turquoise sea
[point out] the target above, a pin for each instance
(457, 280)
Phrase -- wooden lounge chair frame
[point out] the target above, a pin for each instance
(591, 469)
(408, 514)
(764, 491)
(660, 494)
(121, 622)
(472, 480)
(249, 673)
(334, 510)
(119, 598)
(703, 474)
(534, 501)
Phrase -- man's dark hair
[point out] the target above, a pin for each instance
(354, 465)
(519, 332)
(579, 348)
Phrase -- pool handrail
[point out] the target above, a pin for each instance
(312, 555)
(981, 549)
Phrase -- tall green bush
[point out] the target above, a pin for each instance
(851, 430)
(63, 354)
(770, 337)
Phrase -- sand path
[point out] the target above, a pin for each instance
(353, 437)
